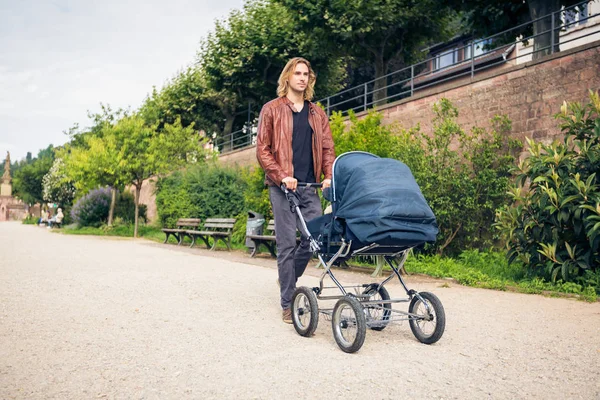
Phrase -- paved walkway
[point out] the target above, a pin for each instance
(88, 317)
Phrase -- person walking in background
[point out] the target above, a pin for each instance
(294, 144)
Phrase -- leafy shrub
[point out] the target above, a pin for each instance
(365, 134)
(466, 185)
(256, 198)
(216, 191)
(92, 209)
(553, 224)
(202, 191)
(173, 199)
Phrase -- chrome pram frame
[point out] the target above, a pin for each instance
(369, 305)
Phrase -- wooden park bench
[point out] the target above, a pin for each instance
(267, 240)
(183, 226)
(215, 228)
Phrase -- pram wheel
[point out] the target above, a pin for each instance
(378, 315)
(305, 311)
(349, 324)
(427, 325)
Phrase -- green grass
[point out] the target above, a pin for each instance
(29, 220)
(488, 270)
(491, 270)
(144, 231)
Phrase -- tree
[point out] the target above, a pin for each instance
(187, 97)
(140, 152)
(57, 187)
(27, 182)
(99, 120)
(378, 32)
(243, 58)
(86, 160)
(94, 163)
(488, 17)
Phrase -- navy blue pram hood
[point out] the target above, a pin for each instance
(380, 202)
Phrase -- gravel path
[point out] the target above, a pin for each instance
(88, 317)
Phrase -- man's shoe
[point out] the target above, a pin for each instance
(287, 316)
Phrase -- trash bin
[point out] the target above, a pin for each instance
(254, 226)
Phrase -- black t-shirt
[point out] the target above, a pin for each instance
(302, 135)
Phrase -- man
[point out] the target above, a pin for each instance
(294, 145)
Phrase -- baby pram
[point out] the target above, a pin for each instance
(377, 210)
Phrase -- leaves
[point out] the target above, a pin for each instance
(378, 33)
(129, 151)
(28, 176)
(557, 227)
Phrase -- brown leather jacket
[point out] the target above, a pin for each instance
(274, 141)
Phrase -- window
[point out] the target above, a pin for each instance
(445, 59)
(574, 16)
(480, 48)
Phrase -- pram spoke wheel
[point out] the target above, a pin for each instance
(378, 315)
(427, 325)
(305, 311)
(349, 324)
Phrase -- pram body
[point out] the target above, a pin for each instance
(378, 210)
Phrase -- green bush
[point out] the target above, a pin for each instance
(465, 185)
(92, 209)
(173, 199)
(365, 134)
(256, 198)
(202, 191)
(553, 224)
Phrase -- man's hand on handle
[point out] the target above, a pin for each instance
(290, 183)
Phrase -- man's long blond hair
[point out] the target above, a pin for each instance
(283, 85)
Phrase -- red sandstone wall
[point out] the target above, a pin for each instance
(530, 94)
(148, 198)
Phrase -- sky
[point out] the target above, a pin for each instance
(60, 59)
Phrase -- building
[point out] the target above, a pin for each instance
(463, 57)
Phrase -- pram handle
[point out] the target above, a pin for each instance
(303, 184)
(306, 184)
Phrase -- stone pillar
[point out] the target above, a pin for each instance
(5, 189)
(5, 186)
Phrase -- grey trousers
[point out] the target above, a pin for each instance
(291, 258)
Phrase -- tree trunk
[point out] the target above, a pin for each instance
(138, 189)
(542, 45)
(111, 210)
(379, 86)
(227, 138)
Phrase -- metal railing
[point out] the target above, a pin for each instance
(474, 58)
